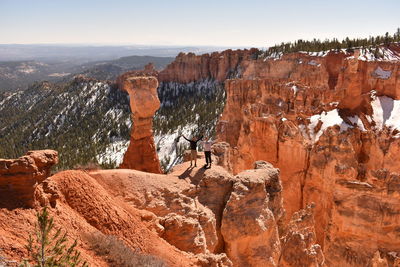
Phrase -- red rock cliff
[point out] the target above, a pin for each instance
(219, 66)
(321, 121)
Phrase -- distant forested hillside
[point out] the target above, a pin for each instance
(317, 45)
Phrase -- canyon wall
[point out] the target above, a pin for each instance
(190, 217)
(330, 125)
(218, 66)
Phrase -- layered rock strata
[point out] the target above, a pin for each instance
(141, 153)
(189, 67)
(19, 177)
(330, 125)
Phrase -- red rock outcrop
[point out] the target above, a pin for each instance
(219, 66)
(83, 206)
(299, 246)
(249, 226)
(313, 118)
(141, 153)
(211, 212)
(191, 217)
(19, 177)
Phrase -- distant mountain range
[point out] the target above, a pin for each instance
(22, 65)
(18, 75)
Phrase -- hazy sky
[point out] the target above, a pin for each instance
(192, 22)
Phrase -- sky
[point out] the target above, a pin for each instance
(228, 23)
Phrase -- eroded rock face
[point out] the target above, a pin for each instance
(320, 121)
(210, 212)
(19, 177)
(249, 226)
(141, 153)
(218, 66)
(299, 246)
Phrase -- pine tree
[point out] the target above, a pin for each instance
(48, 249)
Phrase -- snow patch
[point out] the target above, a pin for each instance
(378, 54)
(386, 112)
(295, 89)
(274, 56)
(8, 98)
(327, 119)
(314, 63)
(382, 74)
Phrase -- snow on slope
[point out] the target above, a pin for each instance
(114, 153)
(365, 54)
(386, 112)
(381, 54)
(327, 119)
(382, 74)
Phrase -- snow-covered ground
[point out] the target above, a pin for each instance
(114, 153)
(384, 54)
(327, 119)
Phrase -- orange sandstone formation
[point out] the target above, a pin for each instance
(141, 153)
(187, 218)
(219, 66)
(251, 241)
(329, 124)
(19, 177)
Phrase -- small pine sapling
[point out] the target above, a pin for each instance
(49, 249)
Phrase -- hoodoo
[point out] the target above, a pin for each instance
(141, 153)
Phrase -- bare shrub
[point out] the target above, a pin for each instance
(117, 253)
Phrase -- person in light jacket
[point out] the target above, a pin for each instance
(207, 151)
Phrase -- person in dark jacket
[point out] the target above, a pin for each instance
(193, 149)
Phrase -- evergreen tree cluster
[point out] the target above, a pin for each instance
(316, 45)
(195, 106)
(79, 119)
(82, 118)
(200, 103)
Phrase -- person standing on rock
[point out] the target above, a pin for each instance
(193, 149)
(207, 151)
